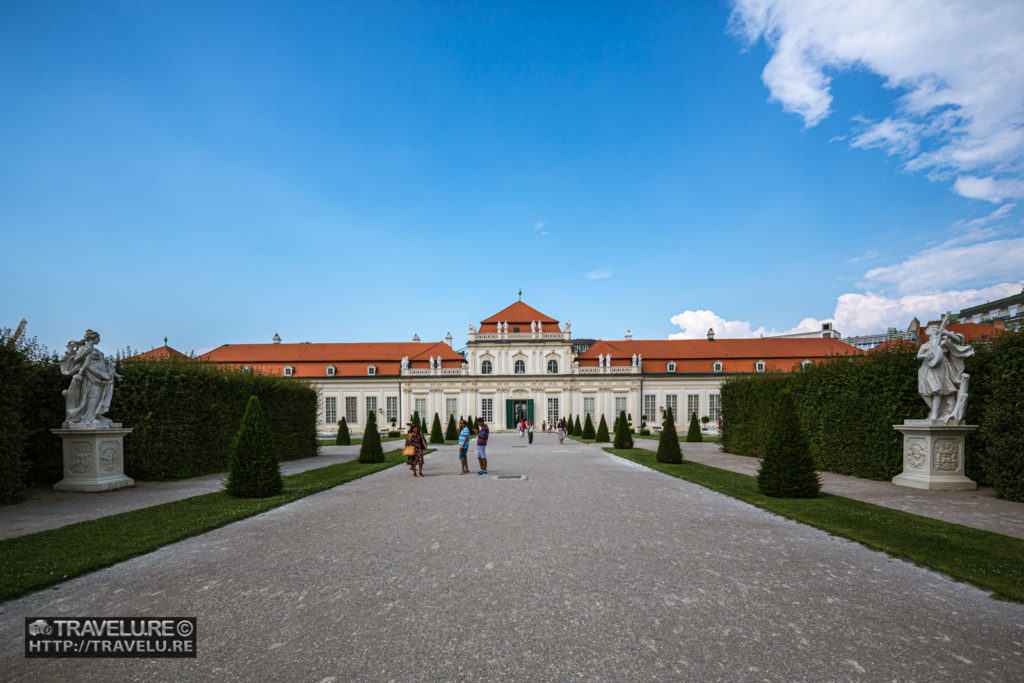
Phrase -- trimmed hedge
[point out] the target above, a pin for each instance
(185, 413)
(847, 407)
(787, 470)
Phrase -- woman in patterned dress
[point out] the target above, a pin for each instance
(416, 440)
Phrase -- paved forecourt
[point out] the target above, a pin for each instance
(591, 568)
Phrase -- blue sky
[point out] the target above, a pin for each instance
(216, 173)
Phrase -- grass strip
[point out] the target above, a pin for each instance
(357, 440)
(42, 559)
(986, 559)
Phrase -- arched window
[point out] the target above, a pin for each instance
(331, 371)
(670, 366)
(716, 366)
(486, 368)
(371, 369)
(289, 371)
(520, 367)
(553, 366)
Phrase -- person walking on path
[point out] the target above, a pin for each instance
(529, 429)
(463, 446)
(519, 426)
(561, 431)
(481, 445)
(419, 444)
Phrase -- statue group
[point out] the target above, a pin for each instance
(941, 380)
(92, 374)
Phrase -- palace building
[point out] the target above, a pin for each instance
(523, 363)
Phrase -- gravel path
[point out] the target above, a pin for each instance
(593, 568)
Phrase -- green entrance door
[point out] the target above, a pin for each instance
(518, 409)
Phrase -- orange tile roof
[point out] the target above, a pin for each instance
(971, 331)
(736, 355)
(159, 353)
(349, 359)
(518, 314)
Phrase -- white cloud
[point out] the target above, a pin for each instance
(866, 256)
(599, 274)
(695, 325)
(958, 63)
(539, 225)
(855, 314)
(950, 265)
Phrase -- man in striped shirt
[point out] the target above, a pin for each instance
(481, 445)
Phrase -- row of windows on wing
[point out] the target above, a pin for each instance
(289, 370)
(487, 368)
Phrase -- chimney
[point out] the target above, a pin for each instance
(416, 338)
(711, 334)
(277, 338)
(629, 336)
(448, 339)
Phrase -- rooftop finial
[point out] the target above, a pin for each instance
(520, 295)
(165, 341)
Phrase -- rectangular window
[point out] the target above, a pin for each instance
(553, 411)
(715, 409)
(451, 405)
(420, 406)
(371, 407)
(330, 409)
(692, 405)
(620, 405)
(487, 409)
(392, 406)
(350, 410)
(588, 407)
(650, 408)
(672, 402)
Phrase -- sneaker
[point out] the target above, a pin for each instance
(464, 472)
(481, 473)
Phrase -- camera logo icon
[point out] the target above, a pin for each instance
(40, 627)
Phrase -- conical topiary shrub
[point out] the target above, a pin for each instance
(693, 435)
(577, 430)
(252, 463)
(452, 432)
(588, 428)
(602, 432)
(436, 435)
(415, 418)
(370, 450)
(343, 438)
(471, 423)
(787, 470)
(668, 445)
(623, 439)
(423, 427)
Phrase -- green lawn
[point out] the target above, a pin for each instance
(682, 438)
(356, 440)
(42, 559)
(986, 559)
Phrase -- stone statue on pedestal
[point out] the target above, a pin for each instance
(533, 326)
(93, 445)
(92, 374)
(934, 448)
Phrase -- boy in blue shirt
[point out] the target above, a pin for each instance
(481, 445)
(463, 446)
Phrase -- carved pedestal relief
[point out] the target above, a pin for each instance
(917, 453)
(110, 455)
(947, 455)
